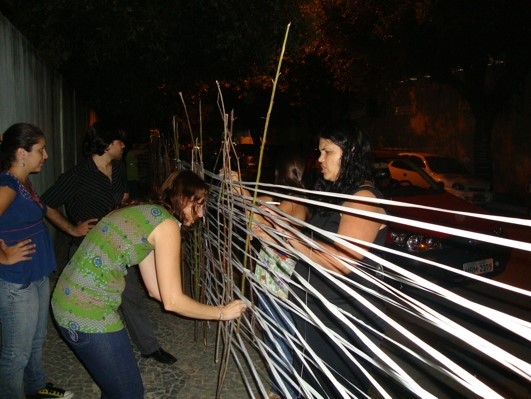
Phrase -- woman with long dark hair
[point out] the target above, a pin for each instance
(345, 166)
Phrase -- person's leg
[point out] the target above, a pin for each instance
(281, 318)
(72, 250)
(110, 360)
(341, 366)
(19, 315)
(135, 314)
(34, 378)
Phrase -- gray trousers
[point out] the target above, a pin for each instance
(134, 311)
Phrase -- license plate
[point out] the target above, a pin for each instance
(479, 267)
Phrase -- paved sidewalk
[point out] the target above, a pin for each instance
(194, 376)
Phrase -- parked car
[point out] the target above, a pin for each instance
(451, 172)
(462, 253)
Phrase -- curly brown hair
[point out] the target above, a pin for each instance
(179, 189)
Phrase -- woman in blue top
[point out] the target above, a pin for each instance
(26, 260)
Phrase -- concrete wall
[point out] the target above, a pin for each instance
(32, 92)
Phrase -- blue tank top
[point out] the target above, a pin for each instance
(23, 219)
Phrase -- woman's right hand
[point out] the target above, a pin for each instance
(232, 311)
(18, 252)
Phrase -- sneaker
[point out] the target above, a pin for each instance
(50, 392)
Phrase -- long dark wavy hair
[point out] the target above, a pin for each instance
(19, 135)
(179, 189)
(355, 163)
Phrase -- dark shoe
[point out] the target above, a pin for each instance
(51, 391)
(160, 355)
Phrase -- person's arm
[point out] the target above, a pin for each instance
(122, 177)
(7, 196)
(161, 273)
(63, 192)
(293, 208)
(350, 225)
(62, 223)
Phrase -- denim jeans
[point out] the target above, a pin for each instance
(24, 319)
(280, 316)
(110, 360)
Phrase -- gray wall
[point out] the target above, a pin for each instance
(32, 92)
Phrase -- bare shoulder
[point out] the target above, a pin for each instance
(169, 225)
(364, 193)
(360, 193)
(7, 195)
(5, 190)
(167, 230)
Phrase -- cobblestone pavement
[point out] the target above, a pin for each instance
(193, 376)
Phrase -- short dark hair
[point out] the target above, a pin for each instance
(99, 136)
(19, 135)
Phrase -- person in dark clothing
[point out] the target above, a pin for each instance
(89, 191)
(345, 163)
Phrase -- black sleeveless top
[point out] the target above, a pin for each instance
(329, 221)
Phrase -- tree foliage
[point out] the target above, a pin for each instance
(479, 47)
(134, 57)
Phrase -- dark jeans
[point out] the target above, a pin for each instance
(281, 318)
(110, 360)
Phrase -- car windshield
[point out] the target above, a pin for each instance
(446, 165)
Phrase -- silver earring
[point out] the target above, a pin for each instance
(22, 164)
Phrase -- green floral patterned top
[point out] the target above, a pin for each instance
(274, 270)
(89, 291)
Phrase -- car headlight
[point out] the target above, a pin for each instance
(458, 186)
(415, 242)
